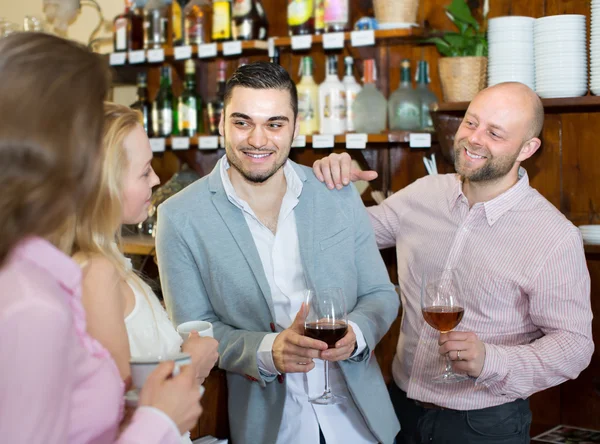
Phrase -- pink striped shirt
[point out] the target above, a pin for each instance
(525, 282)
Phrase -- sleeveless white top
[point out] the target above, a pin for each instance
(149, 329)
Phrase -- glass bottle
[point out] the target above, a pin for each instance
(336, 15)
(155, 24)
(249, 23)
(189, 104)
(128, 29)
(308, 99)
(162, 107)
(370, 106)
(405, 104)
(332, 101)
(215, 106)
(319, 16)
(427, 97)
(300, 17)
(352, 88)
(221, 20)
(142, 103)
(275, 58)
(177, 21)
(197, 22)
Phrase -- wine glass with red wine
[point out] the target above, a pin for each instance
(442, 310)
(326, 321)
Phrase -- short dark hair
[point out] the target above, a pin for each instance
(263, 75)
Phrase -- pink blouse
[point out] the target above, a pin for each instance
(57, 384)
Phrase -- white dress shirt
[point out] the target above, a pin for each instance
(280, 257)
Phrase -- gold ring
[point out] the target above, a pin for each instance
(458, 355)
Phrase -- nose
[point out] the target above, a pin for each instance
(476, 137)
(155, 180)
(258, 137)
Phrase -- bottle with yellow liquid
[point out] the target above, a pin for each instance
(308, 99)
(300, 17)
(221, 23)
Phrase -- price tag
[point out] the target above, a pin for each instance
(157, 144)
(137, 56)
(333, 40)
(183, 52)
(323, 141)
(156, 55)
(271, 46)
(356, 141)
(208, 142)
(299, 142)
(117, 58)
(301, 42)
(419, 140)
(232, 48)
(207, 50)
(180, 143)
(363, 38)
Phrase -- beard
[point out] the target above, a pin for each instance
(494, 168)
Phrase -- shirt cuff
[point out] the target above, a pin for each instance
(361, 344)
(264, 355)
(145, 427)
(495, 366)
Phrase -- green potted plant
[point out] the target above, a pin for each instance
(463, 65)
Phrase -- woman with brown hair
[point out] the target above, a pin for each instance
(57, 384)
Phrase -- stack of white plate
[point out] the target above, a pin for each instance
(560, 56)
(510, 50)
(590, 233)
(595, 48)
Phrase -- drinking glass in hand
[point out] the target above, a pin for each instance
(442, 310)
(326, 321)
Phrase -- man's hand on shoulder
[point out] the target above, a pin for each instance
(336, 171)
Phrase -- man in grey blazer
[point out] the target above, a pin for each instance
(241, 247)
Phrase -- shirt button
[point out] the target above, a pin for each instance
(465, 229)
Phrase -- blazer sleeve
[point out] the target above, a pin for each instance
(186, 298)
(378, 303)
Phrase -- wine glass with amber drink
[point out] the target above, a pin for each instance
(443, 310)
(326, 321)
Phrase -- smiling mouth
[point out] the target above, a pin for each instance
(257, 155)
(473, 155)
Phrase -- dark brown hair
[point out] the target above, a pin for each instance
(51, 118)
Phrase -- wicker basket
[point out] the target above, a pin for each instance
(396, 11)
(462, 77)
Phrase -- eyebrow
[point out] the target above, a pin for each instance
(491, 125)
(247, 117)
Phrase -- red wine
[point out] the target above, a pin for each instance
(328, 333)
(443, 319)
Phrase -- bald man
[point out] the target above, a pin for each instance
(525, 287)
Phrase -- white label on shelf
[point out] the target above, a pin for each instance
(138, 56)
(208, 142)
(419, 140)
(180, 143)
(156, 55)
(271, 46)
(183, 52)
(333, 40)
(363, 38)
(356, 141)
(157, 144)
(117, 58)
(323, 141)
(207, 50)
(301, 41)
(232, 48)
(299, 142)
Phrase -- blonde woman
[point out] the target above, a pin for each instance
(123, 313)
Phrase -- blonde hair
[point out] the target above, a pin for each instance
(51, 97)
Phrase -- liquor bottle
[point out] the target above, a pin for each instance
(249, 20)
(275, 58)
(370, 106)
(215, 106)
(332, 101)
(405, 104)
(308, 99)
(197, 22)
(319, 16)
(128, 29)
(425, 94)
(155, 24)
(177, 21)
(221, 20)
(352, 88)
(142, 103)
(336, 15)
(300, 17)
(189, 104)
(162, 107)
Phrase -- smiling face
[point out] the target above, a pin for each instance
(258, 126)
(139, 177)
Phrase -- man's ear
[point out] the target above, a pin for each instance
(222, 123)
(529, 148)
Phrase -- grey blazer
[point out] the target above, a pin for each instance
(210, 270)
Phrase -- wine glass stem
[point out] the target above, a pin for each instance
(448, 364)
(327, 390)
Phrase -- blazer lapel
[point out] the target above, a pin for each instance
(304, 212)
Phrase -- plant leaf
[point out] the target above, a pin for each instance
(442, 46)
(460, 12)
(462, 27)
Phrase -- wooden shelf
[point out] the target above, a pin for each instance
(591, 248)
(408, 35)
(563, 105)
(138, 244)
